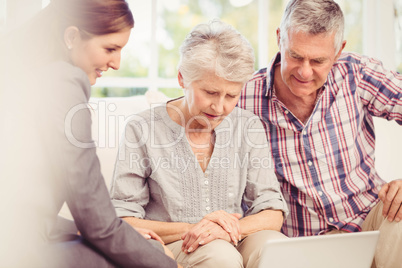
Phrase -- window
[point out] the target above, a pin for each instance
(149, 61)
(398, 33)
(353, 14)
(2, 15)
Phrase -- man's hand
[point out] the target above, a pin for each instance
(391, 195)
(202, 233)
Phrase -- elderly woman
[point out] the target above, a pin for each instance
(197, 170)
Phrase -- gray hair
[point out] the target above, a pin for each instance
(216, 47)
(313, 17)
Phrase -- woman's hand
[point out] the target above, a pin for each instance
(202, 233)
(149, 234)
(229, 223)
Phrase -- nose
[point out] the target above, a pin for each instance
(218, 105)
(114, 62)
(305, 71)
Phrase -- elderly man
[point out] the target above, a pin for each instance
(317, 105)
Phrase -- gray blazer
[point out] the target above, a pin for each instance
(51, 159)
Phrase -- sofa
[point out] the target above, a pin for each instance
(109, 115)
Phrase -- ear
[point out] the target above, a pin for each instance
(70, 36)
(180, 79)
(278, 37)
(340, 50)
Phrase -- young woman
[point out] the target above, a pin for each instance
(48, 67)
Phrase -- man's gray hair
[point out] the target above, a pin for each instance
(219, 48)
(313, 17)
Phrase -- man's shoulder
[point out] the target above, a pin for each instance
(350, 58)
(258, 79)
(259, 75)
(239, 112)
(255, 87)
(361, 61)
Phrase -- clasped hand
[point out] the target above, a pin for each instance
(216, 225)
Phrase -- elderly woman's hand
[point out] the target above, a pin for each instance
(229, 222)
(202, 233)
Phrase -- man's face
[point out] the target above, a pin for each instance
(306, 61)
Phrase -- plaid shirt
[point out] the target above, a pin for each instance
(326, 165)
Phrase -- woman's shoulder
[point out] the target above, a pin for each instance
(63, 69)
(154, 110)
(153, 114)
(64, 78)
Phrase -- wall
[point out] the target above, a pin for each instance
(388, 149)
(379, 42)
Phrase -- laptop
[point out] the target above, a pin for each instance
(354, 250)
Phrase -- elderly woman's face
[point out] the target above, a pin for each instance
(211, 99)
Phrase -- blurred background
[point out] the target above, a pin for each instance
(149, 61)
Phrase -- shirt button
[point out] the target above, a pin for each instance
(320, 193)
(310, 163)
(230, 194)
(331, 219)
(286, 111)
(304, 132)
(206, 175)
(206, 182)
(207, 208)
(207, 200)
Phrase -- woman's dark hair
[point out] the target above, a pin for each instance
(94, 17)
(41, 40)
